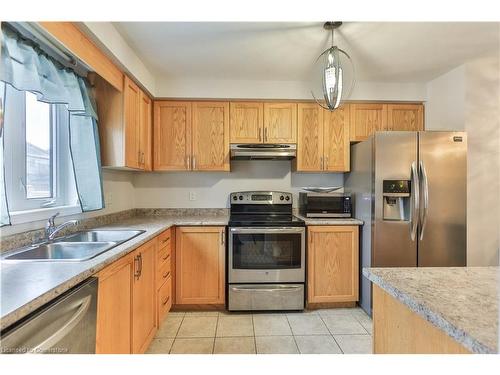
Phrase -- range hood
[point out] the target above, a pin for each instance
(260, 151)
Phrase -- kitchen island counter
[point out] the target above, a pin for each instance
(461, 302)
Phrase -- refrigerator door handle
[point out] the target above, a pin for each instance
(415, 186)
(425, 196)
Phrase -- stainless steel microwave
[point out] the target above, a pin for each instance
(325, 205)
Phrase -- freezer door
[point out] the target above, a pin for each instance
(443, 171)
(394, 155)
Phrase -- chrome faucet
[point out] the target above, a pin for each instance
(51, 230)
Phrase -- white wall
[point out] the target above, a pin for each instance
(445, 106)
(105, 35)
(167, 190)
(186, 88)
(119, 194)
(468, 98)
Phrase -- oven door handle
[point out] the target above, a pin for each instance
(257, 230)
(283, 289)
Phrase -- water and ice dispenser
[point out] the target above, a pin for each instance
(396, 196)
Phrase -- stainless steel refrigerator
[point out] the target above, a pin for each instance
(410, 189)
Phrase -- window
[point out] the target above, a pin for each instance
(38, 168)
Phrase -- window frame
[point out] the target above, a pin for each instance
(65, 198)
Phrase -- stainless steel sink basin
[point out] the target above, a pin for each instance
(66, 251)
(102, 235)
(76, 247)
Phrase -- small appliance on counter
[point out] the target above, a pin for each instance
(325, 205)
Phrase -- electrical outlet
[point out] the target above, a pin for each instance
(108, 199)
(192, 195)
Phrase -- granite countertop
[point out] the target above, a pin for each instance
(329, 221)
(25, 286)
(460, 301)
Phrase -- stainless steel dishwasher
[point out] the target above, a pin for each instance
(65, 325)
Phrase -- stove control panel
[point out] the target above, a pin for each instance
(261, 197)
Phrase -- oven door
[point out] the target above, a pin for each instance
(266, 255)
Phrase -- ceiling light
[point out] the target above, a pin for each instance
(333, 74)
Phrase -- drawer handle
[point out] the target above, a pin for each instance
(166, 301)
(166, 275)
(168, 255)
(166, 240)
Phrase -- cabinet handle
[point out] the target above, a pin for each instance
(194, 162)
(321, 162)
(188, 163)
(166, 275)
(136, 267)
(140, 264)
(265, 134)
(165, 240)
(260, 134)
(168, 255)
(222, 235)
(166, 301)
(326, 163)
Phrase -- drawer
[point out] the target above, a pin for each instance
(164, 239)
(246, 297)
(164, 272)
(164, 300)
(164, 256)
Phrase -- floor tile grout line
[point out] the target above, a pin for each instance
(293, 335)
(176, 333)
(254, 337)
(331, 334)
(215, 334)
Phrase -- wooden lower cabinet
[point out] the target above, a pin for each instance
(398, 330)
(200, 265)
(114, 308)
(333, 264)
(144, 296)
(126, 304)
(164, 274)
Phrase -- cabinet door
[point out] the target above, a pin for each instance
(366, 119)
(336, 139)
(199, 269)
(144, 296)
(246, 120)
(210, 136)
(333, 269)
(172, 136)
(280, 122)
(132, 100)
(145, 132)
(114, 302)
(310, 138)
(405, 117)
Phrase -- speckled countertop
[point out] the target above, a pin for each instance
(460, 301)
(25, 286)
(329, 221)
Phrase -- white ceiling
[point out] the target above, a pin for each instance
(284, 51)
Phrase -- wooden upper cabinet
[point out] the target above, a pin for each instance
(336, 139)
(405, 117)
(172, 136)
(144, 296)
(132, 103)
(333, 264)
(280, 123)
(367, 118)
(210, 136)
(114, 308)
(145, 134)
(200, 265)
(310, 138)
(246, 121)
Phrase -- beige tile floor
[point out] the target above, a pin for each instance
(328, 331)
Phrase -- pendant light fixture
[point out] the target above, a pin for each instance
(334, 74)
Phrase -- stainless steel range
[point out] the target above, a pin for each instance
(266, 260)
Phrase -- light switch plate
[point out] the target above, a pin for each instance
(192, 195)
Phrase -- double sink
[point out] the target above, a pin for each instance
(77, 247)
